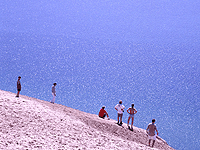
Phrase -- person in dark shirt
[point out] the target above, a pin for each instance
(18, 86)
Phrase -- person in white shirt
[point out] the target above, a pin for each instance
(120, 109)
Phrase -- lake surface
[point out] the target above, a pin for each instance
(162, 80)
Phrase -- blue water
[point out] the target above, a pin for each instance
(161, 80)
(99, 52)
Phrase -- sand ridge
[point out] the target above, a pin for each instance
(29, 123)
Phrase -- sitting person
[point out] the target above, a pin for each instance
(103, 113)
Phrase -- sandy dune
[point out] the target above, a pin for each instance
(29, 123)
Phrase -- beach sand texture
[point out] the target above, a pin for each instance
(29, 123)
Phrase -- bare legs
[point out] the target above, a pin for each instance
(131, 122)
(119, 118)
(17, 94)
(152, 143)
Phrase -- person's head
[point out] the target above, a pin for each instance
(19, 77)
(132, 105)
(120, 102)
(153, 120)
(103, 107)
(54, 84)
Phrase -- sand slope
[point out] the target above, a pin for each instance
(29, 123)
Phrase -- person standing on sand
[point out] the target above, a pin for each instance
(151, 132)
(120, 109)
(18, 86)
(132, 111)
(103, 113)
(53, 92)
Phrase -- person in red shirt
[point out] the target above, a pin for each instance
(103, 113)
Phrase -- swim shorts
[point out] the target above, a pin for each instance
(152, 137)
(120, 115)
(131, 115)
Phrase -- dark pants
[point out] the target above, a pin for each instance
(103, 116)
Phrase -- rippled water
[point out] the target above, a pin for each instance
(161, 80)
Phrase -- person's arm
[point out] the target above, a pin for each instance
(128, 110)
(135, 111)
(147, 130)
(157, 131)
(107, 114)
(123, 108)
(54, 90)
(18, 84)
(116, 107)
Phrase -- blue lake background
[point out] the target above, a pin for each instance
(99, 53)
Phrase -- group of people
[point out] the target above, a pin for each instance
(103, 113)
(120, 110)
(131, 111)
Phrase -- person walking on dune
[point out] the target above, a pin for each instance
(53, 92)
(151, 132)
(120, 109)
(132, 111)
(18, 86)
(103, 113)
